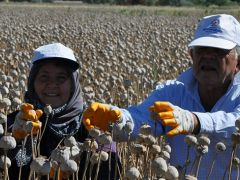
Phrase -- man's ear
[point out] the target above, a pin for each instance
(238, 59)
(238, 64)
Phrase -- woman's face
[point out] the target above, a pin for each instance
(53, 85)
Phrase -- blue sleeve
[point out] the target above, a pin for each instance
(221, 123)
(140, 114)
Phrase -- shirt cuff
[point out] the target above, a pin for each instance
(206, 122)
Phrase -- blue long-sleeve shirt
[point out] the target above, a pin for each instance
(218, 124)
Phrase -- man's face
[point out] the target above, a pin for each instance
(214, 67)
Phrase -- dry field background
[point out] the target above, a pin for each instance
(123, 51)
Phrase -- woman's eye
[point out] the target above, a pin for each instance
(56, 79)
(43, 78)
(61, 79)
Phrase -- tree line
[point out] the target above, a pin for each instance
(150, 2)
(166, 2)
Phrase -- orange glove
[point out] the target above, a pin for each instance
(26, 121)
(100, 115)
(181, 121)
(61, 175)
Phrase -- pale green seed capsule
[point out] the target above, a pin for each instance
(190, 177)
(8, 161)
(7, 142)
(201, 150)
(117, 129)
(138, 148)
(94, 146)
(128, 128)
(87, 144)
(190, 140)
(165, 155)
(69, 166)
(159, 166)
(203, 140)
(4, 91)
(154, 149)
(132, 173)
(145, 129)
(1, 129)
(150, 140)
(5, 103)
(47, 109)
(94, 158)
(41, 166)
(105, 138)
(220, 147)
(104, 156)
(140, 138)
(172, 173)
(167, 148)
(16, 102)
(70, 141)
(94, 132)
(236, 161)
(3, 118)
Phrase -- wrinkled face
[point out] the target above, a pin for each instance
(53, 85)
(213, 66)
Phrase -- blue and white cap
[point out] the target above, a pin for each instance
(218, 31)
(55, 51)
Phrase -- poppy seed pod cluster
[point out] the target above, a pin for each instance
(41, 166)
(66, 158)
(140, 54)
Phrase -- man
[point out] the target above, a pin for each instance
(204, 99)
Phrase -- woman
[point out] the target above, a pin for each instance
(54, 80)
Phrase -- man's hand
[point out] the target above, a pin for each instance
(100, 115)
(26, 121)
(181, 121)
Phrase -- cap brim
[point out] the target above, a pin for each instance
(74, 65)
(212, 42)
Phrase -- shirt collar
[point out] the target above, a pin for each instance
(236, 80)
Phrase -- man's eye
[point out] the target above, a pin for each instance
(199, 50)
(223, 52)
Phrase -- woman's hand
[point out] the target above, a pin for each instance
(26, 121)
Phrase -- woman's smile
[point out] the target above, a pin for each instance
(53, 85)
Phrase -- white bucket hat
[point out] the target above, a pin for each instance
(219, 31)
(55, 51)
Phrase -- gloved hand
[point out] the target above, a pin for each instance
(60, 176)
(26, 121)
(100, 115)
(181, 121)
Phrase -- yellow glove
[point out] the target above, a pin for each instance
(26, 121)
(181, 121)
(100, 115)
